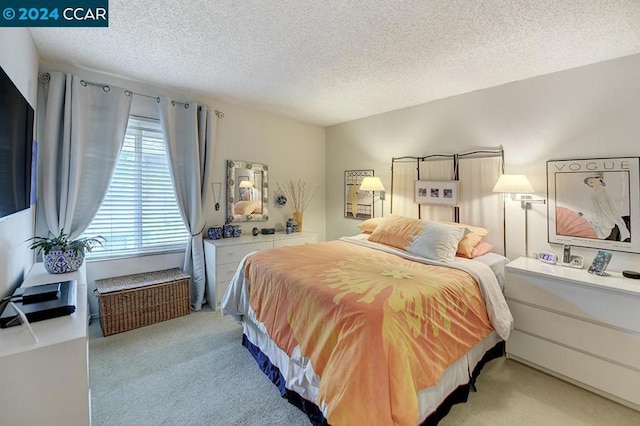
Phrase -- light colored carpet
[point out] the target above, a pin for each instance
(194, 371)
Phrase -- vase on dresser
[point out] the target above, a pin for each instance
(298, 218)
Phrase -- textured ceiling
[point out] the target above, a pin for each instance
(326, 62)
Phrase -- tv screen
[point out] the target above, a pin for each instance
(16, 138)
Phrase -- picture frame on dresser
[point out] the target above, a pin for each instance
(600, 263)
(595, 203)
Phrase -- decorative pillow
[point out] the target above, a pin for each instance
(473, 229)
(470, 240)
(396, 231)
(431, 240)
(246, 207)
(437, 241)
(467, 244)
(370, 225)
(482, 248)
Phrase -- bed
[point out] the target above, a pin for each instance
(389, 327)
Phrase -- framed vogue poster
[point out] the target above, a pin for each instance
(595, 203)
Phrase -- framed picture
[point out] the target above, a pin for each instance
(443, 192)
(595, 203)
(357, 204)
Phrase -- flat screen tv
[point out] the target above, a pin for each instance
(16, 141)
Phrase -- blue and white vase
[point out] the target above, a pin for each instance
(63, 261)
(291, 226)
(227, 231)
(215, 232)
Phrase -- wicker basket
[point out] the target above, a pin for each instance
(134, 301)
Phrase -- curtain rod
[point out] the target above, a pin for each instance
(46, 77)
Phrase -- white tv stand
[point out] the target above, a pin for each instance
(47, 382)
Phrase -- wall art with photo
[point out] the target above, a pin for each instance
(437, 192)
(595, 203)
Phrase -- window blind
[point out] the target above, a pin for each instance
(139, 214)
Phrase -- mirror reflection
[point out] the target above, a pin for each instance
(247, 197)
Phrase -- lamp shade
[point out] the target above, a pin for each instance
(371, 183)
(513, 184)
(246, 184)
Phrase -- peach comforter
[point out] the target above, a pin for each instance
(375, 327)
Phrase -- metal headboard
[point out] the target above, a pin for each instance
(455, 159)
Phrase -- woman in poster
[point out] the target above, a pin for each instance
(605, 218)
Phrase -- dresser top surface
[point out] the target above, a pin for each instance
(248, 239)
(614, 281)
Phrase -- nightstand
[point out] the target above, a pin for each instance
(580, 327)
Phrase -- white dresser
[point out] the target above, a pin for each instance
(580, 327)
(47, 383)
(223, 256)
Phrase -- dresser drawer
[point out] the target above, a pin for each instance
(594, 372)
(295, 241)
(603, 342)
(233, 254)
(616, 309)
(225, 271)
(221, 289)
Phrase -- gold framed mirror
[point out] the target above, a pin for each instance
(247, 191)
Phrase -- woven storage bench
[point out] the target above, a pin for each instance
(134, 301)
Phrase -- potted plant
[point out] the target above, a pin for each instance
(62, 255)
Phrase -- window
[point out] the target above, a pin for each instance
(140, 213)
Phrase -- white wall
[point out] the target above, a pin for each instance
(591, 111)
(19, 59)
(291, 149)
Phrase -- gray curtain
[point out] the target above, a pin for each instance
(189, 133)
(81, 128)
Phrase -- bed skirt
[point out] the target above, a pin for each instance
(459, 395)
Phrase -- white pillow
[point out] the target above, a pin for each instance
(437, 241)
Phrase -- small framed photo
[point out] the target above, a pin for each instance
(437, 192)
(600, 263)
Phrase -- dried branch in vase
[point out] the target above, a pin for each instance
(297, 194)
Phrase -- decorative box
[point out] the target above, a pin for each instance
(237, 231)
(227, 231)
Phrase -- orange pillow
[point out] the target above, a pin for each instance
(370, 225)
(467, 244)
(470, 240)
(396, 231)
